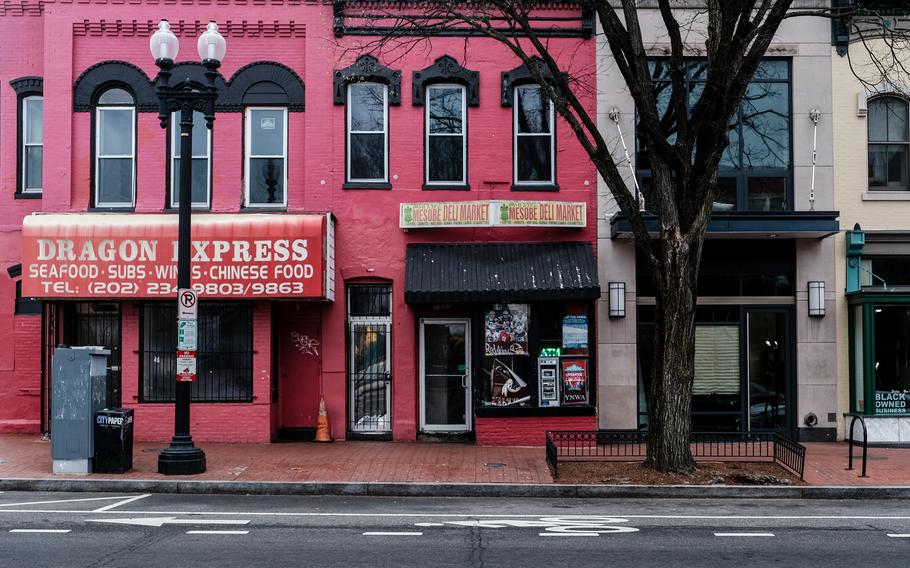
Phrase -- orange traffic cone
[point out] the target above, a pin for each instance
(323, 434)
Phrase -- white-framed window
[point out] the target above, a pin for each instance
(32, 138)
(533, 148)
(889, 144)
(266, 157)
(202, 148)
(115, 149)
(446, 135)
(368, 133)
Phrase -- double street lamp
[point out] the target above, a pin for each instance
(187, 97)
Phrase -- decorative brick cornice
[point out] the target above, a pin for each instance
(187, 28)
(30, 85)
(444, 70)
(367, 68)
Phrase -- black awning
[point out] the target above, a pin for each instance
(500, 272)
(748, 224)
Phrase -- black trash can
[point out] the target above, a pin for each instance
(113, 440)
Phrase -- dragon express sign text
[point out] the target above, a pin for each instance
(135, 256)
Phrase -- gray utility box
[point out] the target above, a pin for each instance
(79, 390)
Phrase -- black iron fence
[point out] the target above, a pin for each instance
(624, 444)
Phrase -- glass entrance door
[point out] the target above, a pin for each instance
(445, 375)
(768, 369)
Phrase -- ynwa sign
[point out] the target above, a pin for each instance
(87, 255)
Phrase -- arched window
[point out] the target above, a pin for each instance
(889, 144)
(115, 149)
(30, 139)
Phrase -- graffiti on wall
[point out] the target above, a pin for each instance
(305, 344)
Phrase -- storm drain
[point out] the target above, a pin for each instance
(494, 464)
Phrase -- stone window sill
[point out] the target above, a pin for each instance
(886, 196)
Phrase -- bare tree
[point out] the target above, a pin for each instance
(682, 135)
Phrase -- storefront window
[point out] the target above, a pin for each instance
(892, 358)
(225, 352)
(535, 356)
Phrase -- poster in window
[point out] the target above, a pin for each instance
(574, 381)
(575, 332)
(891, 402)
(507, 330)
(508, 388)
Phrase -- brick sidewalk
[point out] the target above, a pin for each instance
(27, 456)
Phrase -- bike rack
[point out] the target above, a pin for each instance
(862, 422)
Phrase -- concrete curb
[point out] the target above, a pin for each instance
(384, 489)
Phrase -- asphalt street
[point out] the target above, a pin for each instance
(134, 530)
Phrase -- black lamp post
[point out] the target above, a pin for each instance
(182, 457)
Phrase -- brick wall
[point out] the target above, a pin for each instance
(530, 431)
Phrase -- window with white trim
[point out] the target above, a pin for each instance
(446, 135)
(534, 160)
(368, 133)
(32, 139)
(889, 144)
(266, 157)
(115, 149)
(201, 165)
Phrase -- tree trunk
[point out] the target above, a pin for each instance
(673, 370)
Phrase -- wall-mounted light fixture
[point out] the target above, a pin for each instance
(617, 291)
(816, 298)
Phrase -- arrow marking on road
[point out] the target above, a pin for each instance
(159, 521)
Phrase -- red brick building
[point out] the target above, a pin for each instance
(411, 237)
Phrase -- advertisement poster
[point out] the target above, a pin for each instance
(506, 330)
(508, 388)
(575, 381)
(575, 332)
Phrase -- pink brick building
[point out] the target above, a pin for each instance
(448, 289)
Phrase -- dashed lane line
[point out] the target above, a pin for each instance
(392, 533)
(744, 534)
(52, 531)
(218, 532)
(899, 535)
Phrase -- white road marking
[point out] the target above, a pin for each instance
(899, 535)
(743, 534)
(159, 521)
(568, 534)
(118, 497)
(124, 502)
(429, 524)
(56, 531)
(460, 515)
(217, 532)
(401, 533)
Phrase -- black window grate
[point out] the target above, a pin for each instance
(369, 300)
(225, 354)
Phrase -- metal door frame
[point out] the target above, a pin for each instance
(466, 378)
(387, 324)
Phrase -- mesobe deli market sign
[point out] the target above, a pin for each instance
(135, 256)
(438, 214)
